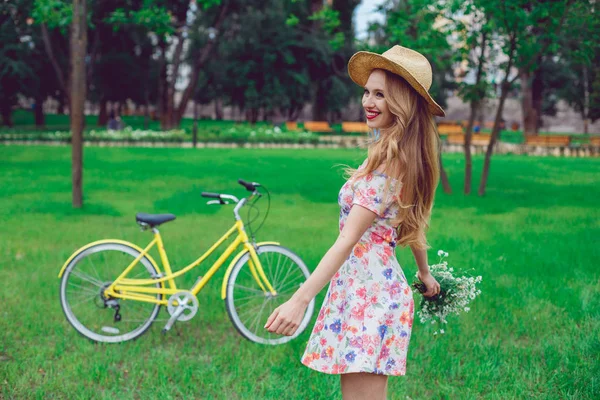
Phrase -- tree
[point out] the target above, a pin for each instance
(77, 96)
(476, 38)
(16, 49)
(514, 21)
(576, 61)
(272, 58)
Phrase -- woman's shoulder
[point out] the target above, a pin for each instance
(380, 172)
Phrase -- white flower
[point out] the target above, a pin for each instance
(440, 253)
(461, 290)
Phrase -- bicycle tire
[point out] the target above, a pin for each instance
(92, 305)
(237, 293)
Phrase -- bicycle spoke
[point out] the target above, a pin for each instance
(85, 289)
(87, 278)
(83, 299)
(277, 271)
(288, 285)
(95, 270)
(254, 296)
(288, 272)
(249, 288)
(258, 316)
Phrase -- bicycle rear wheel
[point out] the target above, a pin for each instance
(89, 311)
(247, 304)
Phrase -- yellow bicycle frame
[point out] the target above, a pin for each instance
(140, 289)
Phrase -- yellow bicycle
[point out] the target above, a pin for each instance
(112, 290)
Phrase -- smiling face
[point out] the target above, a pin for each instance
(374, 103)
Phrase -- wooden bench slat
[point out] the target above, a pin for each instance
(476, 139)
(317, 126)
(548, 140)
(355, 127)
(450, 128)
(291, 126)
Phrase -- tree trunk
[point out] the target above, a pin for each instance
(6, 111)
(505, 86)
(444, 178)
(195, 126)
(530, 118)
(61, 103)
(468, 135)
(161, 106)
(537, 92)
(475, 108)
(146, 112)
(490, 148)
(218, 109)
(199, 61)
(169, 121)
(64, 85)
(103, 113)
(319, 111)
(40, 119)
(586, 100)
(78, 95)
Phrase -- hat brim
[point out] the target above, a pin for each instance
(363, 63)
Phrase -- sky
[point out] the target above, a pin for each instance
(365, 13)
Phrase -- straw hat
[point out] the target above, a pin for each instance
(407, 63)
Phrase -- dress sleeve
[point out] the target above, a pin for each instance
(369, 193)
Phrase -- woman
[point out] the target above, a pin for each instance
(364, 324)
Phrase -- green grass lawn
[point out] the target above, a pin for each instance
(533, 333)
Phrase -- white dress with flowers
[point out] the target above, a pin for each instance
(365, 322)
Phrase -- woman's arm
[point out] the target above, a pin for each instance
(433, 287)
(285, 319)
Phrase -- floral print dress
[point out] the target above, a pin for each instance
(365, 322)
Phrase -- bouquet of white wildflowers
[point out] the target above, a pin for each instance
(456, 292)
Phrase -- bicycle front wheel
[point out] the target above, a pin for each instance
(249, 306)
(86, 307)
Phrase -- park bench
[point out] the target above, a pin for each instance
(291, 126)
(450, 128)
(317, 126)
(548, 140)
(351, 127)
(595, 140)
(476, 139)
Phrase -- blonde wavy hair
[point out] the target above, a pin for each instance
(408, 150)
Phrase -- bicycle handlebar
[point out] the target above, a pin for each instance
(211, 195)
(251, 187)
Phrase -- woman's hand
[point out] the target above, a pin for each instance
(433, 287)
(286, 318)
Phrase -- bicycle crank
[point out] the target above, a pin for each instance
(182, 306)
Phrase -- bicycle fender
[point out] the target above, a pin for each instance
(233, 262)
(87, 246)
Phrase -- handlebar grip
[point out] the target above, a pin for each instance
(250, 187)
(211, 195)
